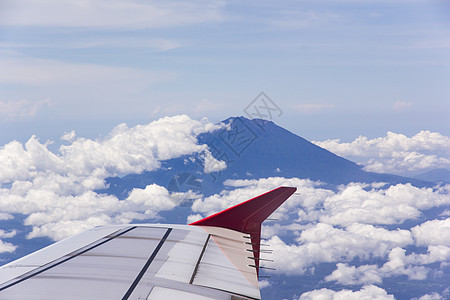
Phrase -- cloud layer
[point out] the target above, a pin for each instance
(356, 222)
(56, 190)
(395, 153)
(367, 292)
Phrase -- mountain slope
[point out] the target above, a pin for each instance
(436, 175)
(252, 149)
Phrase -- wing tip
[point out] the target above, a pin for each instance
(248, 215)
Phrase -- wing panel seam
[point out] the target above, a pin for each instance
(199, 259)
(69, 257)
(147, 265)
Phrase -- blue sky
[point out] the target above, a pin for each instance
(76, 69)
(337, 69)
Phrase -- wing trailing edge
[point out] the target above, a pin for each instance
(212, 260)
(248, 216)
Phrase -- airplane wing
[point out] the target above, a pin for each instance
(214, 258)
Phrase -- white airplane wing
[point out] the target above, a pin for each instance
(214, 258)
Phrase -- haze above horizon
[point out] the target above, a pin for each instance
(336, 69)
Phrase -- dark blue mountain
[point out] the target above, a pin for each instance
(255, 149)
(252, 149)
(436, 175)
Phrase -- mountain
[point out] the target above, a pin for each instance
(253, 149)
(436, 175)
(406, 232)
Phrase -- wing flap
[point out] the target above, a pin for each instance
(225, 265)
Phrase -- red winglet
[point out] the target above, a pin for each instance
(247, 216)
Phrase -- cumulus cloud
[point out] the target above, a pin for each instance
(56, 190)
(350, 275)
(58, 217)
(17, 110)
(194, 218)
(69, 136)
(435, 232)
(211, 164)
(354, 203)
(5, 246)
(125, 150)
(338, 226)
(49, 213)
(6, 216)
(366, 292)
(263, 284)
(309, 197)
(325, 243)
(432, 296)
(398, 264)
(402, 106)
(7, 234)
(395, 153)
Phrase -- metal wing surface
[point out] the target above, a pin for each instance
(214, 258)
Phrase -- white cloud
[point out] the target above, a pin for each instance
(307, 194)
(263, 284)
(211, 164)
(125, 150)
(445, 213)
(7, 234)
(55, 190)
(5, 216)
(108, 14)
(398, 264)
(432, 296)
(366, 292)
(7, 247)
(58, 217)
(402, 106)
(150, 200)
(325, 243)
(17, 110)
(69, 136)
(435, 232)
(194, 218)
(393, 205)
(350, 275)
(395, 153)
(399, 236)
(339, 226)
(435, 254)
